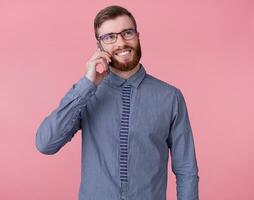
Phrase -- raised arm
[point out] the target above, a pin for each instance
(59, 127)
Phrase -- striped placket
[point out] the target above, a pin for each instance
(124, 131)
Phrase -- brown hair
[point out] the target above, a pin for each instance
(111, 12)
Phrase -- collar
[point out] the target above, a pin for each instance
(133, 80)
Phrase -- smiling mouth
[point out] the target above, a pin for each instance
(123, 53)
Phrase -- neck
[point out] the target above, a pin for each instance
(125, 74)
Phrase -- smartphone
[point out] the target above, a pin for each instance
(101, 48)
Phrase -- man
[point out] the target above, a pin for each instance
(129, 121)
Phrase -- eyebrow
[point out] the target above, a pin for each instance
(118, 32)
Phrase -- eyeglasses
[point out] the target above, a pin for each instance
(110, 38)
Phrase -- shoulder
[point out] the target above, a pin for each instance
(160, 86)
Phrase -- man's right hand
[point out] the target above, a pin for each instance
(99, 57)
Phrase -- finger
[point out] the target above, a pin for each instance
(95, 55)
(108, 59)
(101, 52)
(105, 58)
(101, 61)
(98, 55)
(106, 53)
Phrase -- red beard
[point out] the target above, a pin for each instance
(127, 66)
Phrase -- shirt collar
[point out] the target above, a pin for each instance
(133, 80)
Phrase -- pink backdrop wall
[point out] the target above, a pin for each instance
(204, 47)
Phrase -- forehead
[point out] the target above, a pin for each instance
(116, 25)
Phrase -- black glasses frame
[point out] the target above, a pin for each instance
(100, 38)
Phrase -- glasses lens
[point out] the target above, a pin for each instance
(110, 38)
(128, 34)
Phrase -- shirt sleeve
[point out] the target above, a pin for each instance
(182, 150)
(61, 124)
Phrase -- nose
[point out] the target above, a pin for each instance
(120, 41)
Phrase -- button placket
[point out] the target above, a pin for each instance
(124, 132)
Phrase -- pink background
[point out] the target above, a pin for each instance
(204, 47)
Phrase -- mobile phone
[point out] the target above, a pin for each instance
(101, 48)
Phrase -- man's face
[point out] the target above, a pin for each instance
(125, 53)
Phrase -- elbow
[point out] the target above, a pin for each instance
(43, 145)
(44, 149)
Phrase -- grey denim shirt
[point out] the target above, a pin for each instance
(158, 124)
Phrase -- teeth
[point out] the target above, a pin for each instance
(123, 53)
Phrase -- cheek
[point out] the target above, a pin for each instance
(108, 49)
(135, 46)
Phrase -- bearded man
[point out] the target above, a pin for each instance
(130, 121)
